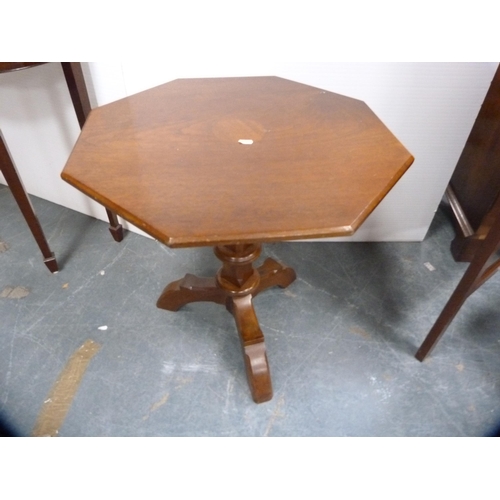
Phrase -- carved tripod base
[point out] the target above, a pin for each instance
(234, 286)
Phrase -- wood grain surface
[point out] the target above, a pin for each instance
(169, 161)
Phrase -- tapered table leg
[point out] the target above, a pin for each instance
(115, 228)
(75, 80)
(483, 266)
(15, 184)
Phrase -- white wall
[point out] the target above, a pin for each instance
(430, 107)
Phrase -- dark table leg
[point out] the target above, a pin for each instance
(16, 186)
(76, 85)
(236, 283)
(483, 266)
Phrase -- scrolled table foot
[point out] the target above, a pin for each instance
(190, 289)
(258, 375)
(273, 273)
(254, 348)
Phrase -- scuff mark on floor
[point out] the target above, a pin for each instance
(276, 413)
(169, 368)
(182, 381)
(360, 331)
(156, 405)
(229, 394)
(3, 246)
(429, 266)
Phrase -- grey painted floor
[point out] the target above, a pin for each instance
(340, 340)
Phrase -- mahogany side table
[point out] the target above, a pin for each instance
(233, 163)
(75, 81)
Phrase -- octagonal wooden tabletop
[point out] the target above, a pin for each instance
(230, 160)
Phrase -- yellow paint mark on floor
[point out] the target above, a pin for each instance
(58, 402)
(14, 292)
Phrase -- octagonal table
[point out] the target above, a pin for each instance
(232, 163)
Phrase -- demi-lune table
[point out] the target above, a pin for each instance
(233, 163)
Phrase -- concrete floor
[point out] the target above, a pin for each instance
(340, 340)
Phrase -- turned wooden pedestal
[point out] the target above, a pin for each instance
(234, 286)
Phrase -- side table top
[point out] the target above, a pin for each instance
(230, 160)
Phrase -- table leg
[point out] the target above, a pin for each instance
(484, 265)
(273, 273)
(115, 228)
(15, 184)
(190, 289)
(236, 283)
(75, 80)
(254, 348)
